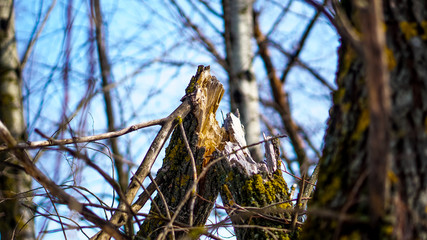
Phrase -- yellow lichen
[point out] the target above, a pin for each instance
(348, 58)
(195, 232)
(392, 177)
(409, 29)
(179, 119)
(345, 107)
(424, 27)
(228, 195)
(362, 124)
(339, 95)
(330, 191)
(388, 230)
(268, 191)
(183, 180)
(391, 61)
(229, 177)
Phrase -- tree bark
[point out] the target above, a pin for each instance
(242, 83)
(344, 200)
(15, 198)
(255, 195)
(181, 203)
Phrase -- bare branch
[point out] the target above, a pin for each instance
(210, 47)
(280, 97)
(300, 63)
(55, 142)
(54, 189)
(33, 40)
(301, 43)
(341, 24)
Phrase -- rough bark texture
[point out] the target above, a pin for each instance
(255, 194)
(15, 215)
(176, 176)
(243, 86)
(342, 204)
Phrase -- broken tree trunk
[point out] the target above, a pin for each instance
(190, 179)
(255, 194)
(180, 203)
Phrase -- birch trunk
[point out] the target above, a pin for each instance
(242, 83)
(15, 215)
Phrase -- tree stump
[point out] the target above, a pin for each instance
(176, 176)
(255, 194)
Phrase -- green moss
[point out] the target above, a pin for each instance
(194, 80)
(195, 233)
(261, 192)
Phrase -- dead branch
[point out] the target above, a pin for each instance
(36, 34)
(57, 142)
(210, 47)
(301, 43)
(280, 96)
(54, 189)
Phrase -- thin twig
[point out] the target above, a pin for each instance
(210, 47)
(301, 43)
(57, 213)
(193, 165)
(279, 95)
(145, 167)
(31, 42)
(56, 142)
(304, 65)
(298, 203)
(54, 189)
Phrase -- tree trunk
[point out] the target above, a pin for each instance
(255, 195)
(15, 200)
(179, 204)
(242, 83)
(344, 201)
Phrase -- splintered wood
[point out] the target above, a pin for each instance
(177, 177)
(202, 160)
(254, 193)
